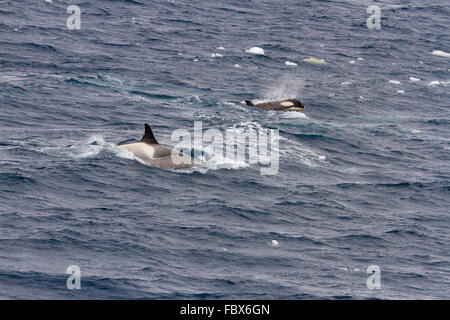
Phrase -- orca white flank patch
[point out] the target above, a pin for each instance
(287, 104)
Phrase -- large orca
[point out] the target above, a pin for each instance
(150, 152)
(282, 105)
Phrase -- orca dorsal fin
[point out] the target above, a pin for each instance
(249, 103)
(148, 137)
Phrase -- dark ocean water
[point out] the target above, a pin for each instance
(364, 175)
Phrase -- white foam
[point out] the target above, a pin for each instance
(237, 66)
(412, 79)
(123, 153)
(360, 59)
(345, 83)
(255, 50)
(400, 91)
(434, 83)
(416, 131)
(294, 115)
(441, 53)
(289, 63)
(220, 48)
(395, 82)
(352, 62)
(216, 55)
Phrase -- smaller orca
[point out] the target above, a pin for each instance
(151, 153)
(282, 105)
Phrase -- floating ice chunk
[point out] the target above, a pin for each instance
(314, 60)
(289, 63)
(441, 53)
(255, 50)
(412, 79)
(275, 243)
(394, 82)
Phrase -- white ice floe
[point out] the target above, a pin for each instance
(441, 53)
(255, 50)
(434, 83)
(275, 243)
(315, 61)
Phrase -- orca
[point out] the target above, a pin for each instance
(282, 105)
(149, 152)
